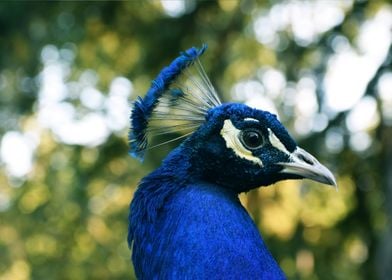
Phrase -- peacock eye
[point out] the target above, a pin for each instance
(251, 139)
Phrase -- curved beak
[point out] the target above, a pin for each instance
(307, 166)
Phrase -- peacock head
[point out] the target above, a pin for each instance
(231, 144)
(244, 148)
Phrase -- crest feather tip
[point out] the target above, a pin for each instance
(177, 101)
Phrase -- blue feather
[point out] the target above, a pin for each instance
(144, 107)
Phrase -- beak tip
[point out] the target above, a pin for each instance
(334, 185)
(327, 180)
(326, 177)
(330, 179)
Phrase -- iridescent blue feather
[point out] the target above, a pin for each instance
(177, 101)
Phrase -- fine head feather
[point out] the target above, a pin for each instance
(177, 102)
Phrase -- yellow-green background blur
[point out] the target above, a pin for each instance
(68, 74)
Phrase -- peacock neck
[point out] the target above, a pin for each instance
(205, 228)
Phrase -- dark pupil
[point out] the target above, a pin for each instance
(252, 139)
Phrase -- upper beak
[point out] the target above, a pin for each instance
(305, 165)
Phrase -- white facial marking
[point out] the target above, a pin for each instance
(251, 119)
(276, 142)
(231, 135)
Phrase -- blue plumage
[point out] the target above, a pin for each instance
(143, 108)
(186, 221)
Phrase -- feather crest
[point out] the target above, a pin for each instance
(177, 102)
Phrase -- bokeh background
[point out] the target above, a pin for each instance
(68, 74)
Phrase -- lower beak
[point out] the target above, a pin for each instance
(306, 166)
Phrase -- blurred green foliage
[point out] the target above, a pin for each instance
(66, 216)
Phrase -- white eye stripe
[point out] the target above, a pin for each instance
(231, 135)
(251, 119)
(274, 140)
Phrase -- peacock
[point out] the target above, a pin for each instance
(186, 220)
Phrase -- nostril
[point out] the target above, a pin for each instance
(305, 159)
